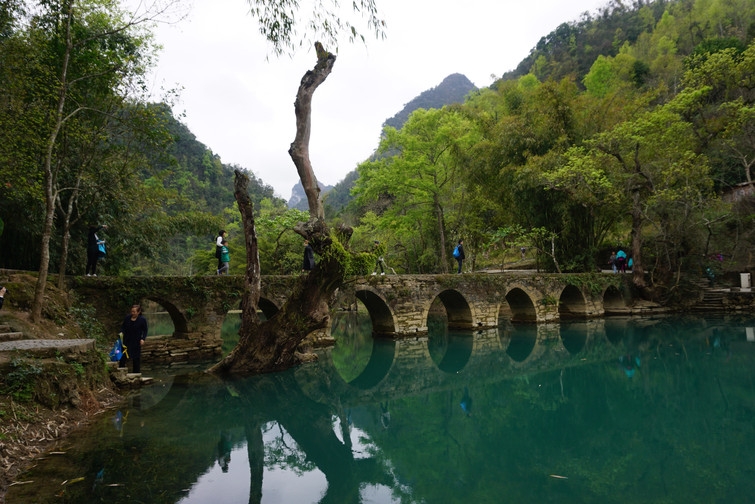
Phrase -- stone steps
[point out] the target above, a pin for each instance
(712, 300)
(45, 347)
(123, 379)
(8, 334)
(11, 336)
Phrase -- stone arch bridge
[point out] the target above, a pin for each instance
(398, 305)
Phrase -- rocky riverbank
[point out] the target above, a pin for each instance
(53, 375)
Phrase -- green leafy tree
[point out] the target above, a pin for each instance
(421, 175)
(652, 162)
(80, 57)
(281, 248)
(286, 27)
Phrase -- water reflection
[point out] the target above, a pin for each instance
(522, 339)
(530, 414)
(449, 349)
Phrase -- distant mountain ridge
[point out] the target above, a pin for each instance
(453, 89)
(298, 197)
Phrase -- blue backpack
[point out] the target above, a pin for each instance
(457, 253)
(117, 351)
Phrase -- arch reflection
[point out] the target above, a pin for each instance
(522, 340)
(574, 336)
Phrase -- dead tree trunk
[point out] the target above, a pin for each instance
(276, 344)
(299, 150)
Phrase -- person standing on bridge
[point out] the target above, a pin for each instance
(621, 261)
(225, 258)
(218, 245)
(379, 251)
(459, 254)
(93, 251)
(133, 332)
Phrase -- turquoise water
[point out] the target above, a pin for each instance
(615, 410)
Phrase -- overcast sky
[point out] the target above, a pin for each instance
(238, 98)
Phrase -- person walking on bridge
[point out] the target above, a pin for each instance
(93, 250)
(379, 251)
(459, 254)
(225, 258)
(218, 246)
(621, 261)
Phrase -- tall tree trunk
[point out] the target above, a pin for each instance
(299, 150)
(66, 238)
(642, 183)
(441, 232)
(49, 179)
(274, 344)
(638, 272)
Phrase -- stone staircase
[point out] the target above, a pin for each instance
(8, 334)
(712, 300)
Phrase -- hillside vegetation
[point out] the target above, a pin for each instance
(632, 128)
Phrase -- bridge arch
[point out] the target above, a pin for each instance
(268, 307)
(521, 305)
(383, 321)
(613, 298)
(572, 303)
(180, 324)
(458, 311)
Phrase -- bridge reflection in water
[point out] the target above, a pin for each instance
(645, 410)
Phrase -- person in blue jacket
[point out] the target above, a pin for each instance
(93, 251)
(459, 254)
(621, 261)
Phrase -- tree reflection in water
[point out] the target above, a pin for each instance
(526, 404)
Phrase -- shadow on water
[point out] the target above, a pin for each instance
(535, 414)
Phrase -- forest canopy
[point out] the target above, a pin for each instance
(629, 128)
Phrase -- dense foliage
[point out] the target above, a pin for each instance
(78, 138)
(632, 128)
